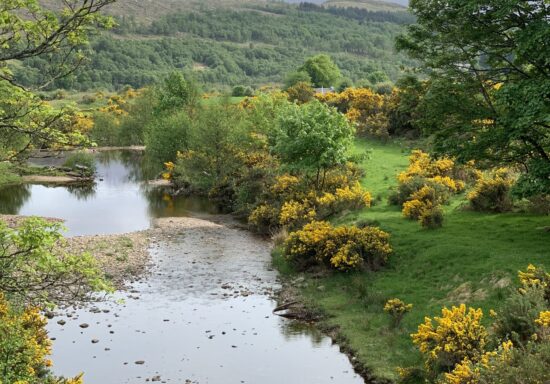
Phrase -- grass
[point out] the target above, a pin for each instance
(473, 259)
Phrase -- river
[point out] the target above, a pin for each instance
(204, 312)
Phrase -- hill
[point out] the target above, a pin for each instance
(229, 42)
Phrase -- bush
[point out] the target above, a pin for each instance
(264, 219)
(432, 218)
(529, 366)
(342, 199)
(81, 162)
(397, 309)
(516, 321)
(25, 346)
(457, 335)
(341, 248)
(300, 92)
(492, 194)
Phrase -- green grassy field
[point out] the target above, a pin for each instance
(473, 259)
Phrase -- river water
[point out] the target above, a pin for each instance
(203, 314)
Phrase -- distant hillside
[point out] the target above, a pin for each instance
(373, 5)
(229, 42)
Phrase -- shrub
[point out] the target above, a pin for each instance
(467, 372)
(492, 194)
(81, 162)
(397, 309)
(241, 91)
(535, 277)
(529, 366)
(304, 247)
(516, 320)
(294, 214)
(25, 346)
(343, 198)
(457, 335)
(432, 218)
(342, 248)
(300, 92)
(264, 218)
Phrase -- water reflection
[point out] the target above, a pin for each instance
(13, 197)
(82, 192)
(119, 201)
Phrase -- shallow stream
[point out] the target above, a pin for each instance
(203, 314)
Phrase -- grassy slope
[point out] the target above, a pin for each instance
(473, 259)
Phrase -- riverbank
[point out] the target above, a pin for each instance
(472, 259)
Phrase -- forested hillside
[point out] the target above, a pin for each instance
(225, 44)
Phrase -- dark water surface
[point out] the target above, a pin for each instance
(203, 315)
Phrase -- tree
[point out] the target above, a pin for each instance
(35, 267)
(322, 70)
(176, 92)
(312, 138)
(29, 30)
(296, 77)
(488, 97)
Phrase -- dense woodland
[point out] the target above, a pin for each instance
(252, 45)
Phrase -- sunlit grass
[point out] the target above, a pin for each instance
(474, 259)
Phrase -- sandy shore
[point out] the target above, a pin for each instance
(36, 179)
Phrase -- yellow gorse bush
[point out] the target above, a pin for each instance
(294, 213)
(435, 171)
(491, 193)
(342, 248)
(467, 372)
(263, 216)
(169, 170)
(24, 344)
(353, 197)
(447, 340)
(363, 107)
(534, 277)
(397, 308)
(285, 184)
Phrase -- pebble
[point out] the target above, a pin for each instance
(83, 325)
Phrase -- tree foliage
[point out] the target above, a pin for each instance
(489, 92)
(312, 137)
(35, 267)
(29, 30)
(322, 70)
